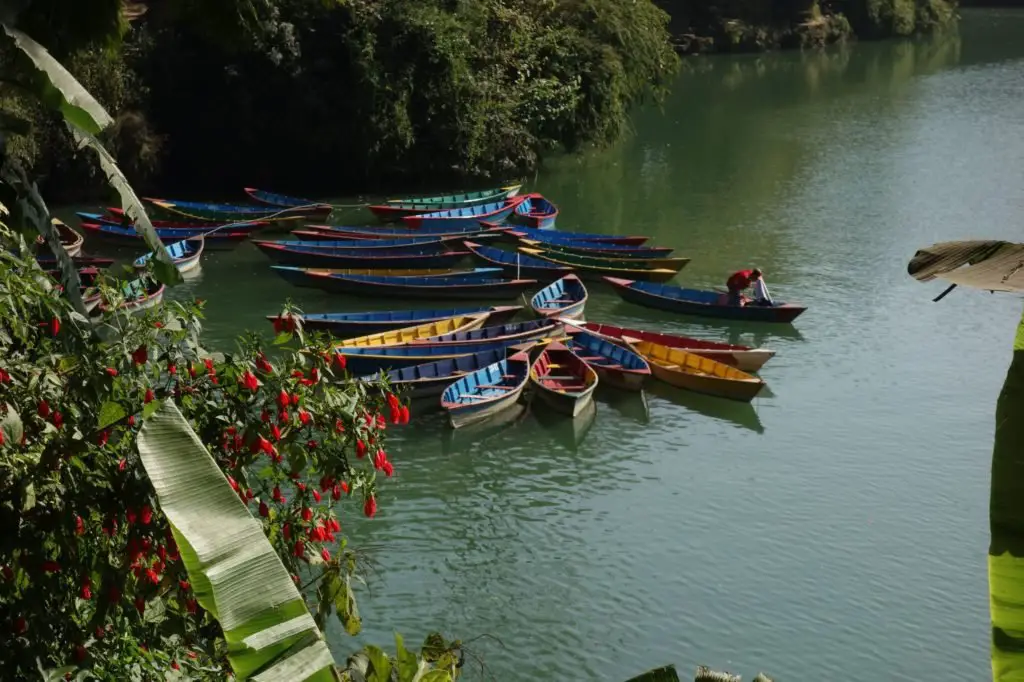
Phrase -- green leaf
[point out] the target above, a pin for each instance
(408, 664)
(380, 665)
(28, 497)
(282, 338)
(163, 264)
(58, 89)
(436, 676)
(11, 425)
(150, 409)
(111, 412)
(235, 573)
(348, 612)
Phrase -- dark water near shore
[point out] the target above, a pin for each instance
(834, 528)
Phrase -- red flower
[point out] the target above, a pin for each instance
(152, 577)
(326, 482)
(340, 360)
(339, 426)
(175, 666)
(276, 495)
(102, 438)
(184, 585)
(325, 554)
(336, 493)
(404, 414)
(307, 514)
(50, 567)
(140, 355)
(396, 415)
(54, 326)
(57, 419)
(370, 506)
(249, 381)
(190, 605)
(158, 324)
(392, 400)
(233, 483)
(172, 369)
(1, 436)
(79, 526)
(282, 417)
(297, 374)
(20, 625)
(282, 399)
(4, 377)
(111, 371)
(314, 374)
(209, 366)
(148, 398)
(146, 514)
(140, 605)
(193, 654)
(192, 371)
(275, 432)
(344, 487)
(388, 469)
(248, 494)
(43, 409)
(263, 364)
(131, 420)
(334, 525)
(286, 530)
(264, 416)
(86, 591)
(360, 449)
(121, 464)
(311, 444)
(317, 534)
(300, 548)
(304, 417)
(381, 422)
(316, 495)
(295, 398)
(130, 515)
(80, 654)
(264, 509)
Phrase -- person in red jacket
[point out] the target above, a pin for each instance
(744, 279)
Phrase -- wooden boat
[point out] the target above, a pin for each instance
(283, 200)
(696, 373)
(530, 329)
(517, 264)
(436, 287)
(598, 250)
(396, 209)
(71, 241)
(121, 220)
(579, 260)
(469, 217)
(551, 237)
(427, 330)
(487, 391)
(138, 295)
(431, 378)
(362, 360)
(409, 257)
(697, 302)
(742, 357)
(597, 271)
(358, 324)
(535, 211)
(566, 297)
(320, 232)
(50, 262)
(128, 235)
(302, 276)
(202, 209)
(563, 381)
(186, 254)
(421, 243)
(616, 365)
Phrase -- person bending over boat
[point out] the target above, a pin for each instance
(741, 280)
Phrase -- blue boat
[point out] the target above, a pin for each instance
(361, 360)
(615, 365)
(517, 264)
(552, 237)
(281, 200)
(186, 254)
(482, 283)
(127, 235)
(599, 250)
(351, 325)
(407, 257)
(531, 329)
(331, 244)
(703, 303)
(437, 232)
(469, 217)
(487, 391)
(431, 378)
(564, 298)
(535, 211)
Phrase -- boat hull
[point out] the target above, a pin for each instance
(706, 384)
(692, 372)
(563, 381)
(442, 221)
(567, 404)
(566, 297)
(468, 290)
(489, 391)
(347, 328)
(466, 416)
(323, 258)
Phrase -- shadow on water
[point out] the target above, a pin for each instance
(1006, 521)
(473, 436)
(566, 431)
(741, 414)
(630, 404)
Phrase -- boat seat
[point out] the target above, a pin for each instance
(497, 386)
(573, 387)
(559, 378)
(588, 358)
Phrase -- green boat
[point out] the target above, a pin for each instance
(578, 260)
(396, 209)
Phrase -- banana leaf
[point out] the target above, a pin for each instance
(665, 674)
(1006, 520)
(990, 265)
(235, 572)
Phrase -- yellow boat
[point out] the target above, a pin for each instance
(394, 337)
(598, 268)
(695, 373)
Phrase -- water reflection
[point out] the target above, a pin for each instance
(566, 431)
(740, 414)
(1006, 519)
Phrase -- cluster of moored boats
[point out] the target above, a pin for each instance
(488, 245)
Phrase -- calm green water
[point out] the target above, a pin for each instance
(837, 526)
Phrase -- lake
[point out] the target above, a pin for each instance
(837, 527)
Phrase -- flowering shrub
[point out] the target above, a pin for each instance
(90, 575)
